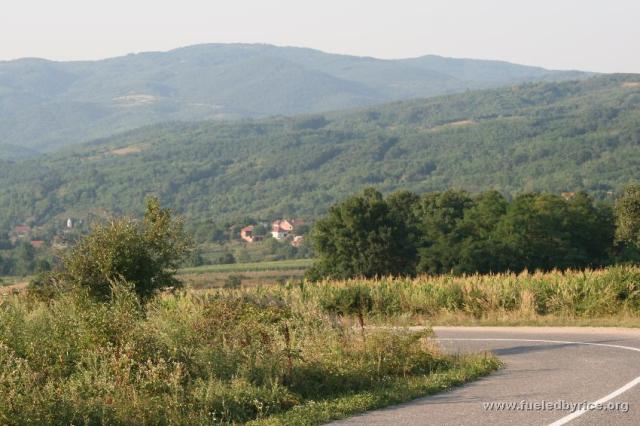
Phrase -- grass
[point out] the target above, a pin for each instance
(280, 265)
(250, 274)
(227, 357)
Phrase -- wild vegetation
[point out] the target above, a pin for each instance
(551, 137)
(185, 359)
(94, 342)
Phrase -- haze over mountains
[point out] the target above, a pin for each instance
(566, 136)
(46, 105)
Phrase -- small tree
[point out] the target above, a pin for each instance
(143, 253)
(628, 216)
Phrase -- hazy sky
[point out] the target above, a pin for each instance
(597, 35)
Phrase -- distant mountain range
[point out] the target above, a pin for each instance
(557, 137)
(45, 105)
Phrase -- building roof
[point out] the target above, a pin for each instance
(22, 229)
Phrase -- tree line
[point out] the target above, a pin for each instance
(455, 232)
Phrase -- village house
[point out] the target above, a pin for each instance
(37, 244)
(246, 234)
(298, 240)
(278, 232)
(282, 228)
(20, 232)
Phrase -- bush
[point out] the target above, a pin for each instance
(144, 253)
(233, 281)
(226, 259)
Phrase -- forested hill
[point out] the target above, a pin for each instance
(45, 105)
(545, 136)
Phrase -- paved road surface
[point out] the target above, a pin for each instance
(542, 364)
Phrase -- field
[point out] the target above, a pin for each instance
(604, 297)
(280, 265)
(9, 285)
(245, 274)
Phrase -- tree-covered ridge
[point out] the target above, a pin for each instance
(555, 137)
(46, 105)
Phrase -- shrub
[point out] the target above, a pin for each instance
(144, 253)
(353, 300)
(233, 281)
(226, 259)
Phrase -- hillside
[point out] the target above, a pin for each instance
(545, 136)
(45, 105)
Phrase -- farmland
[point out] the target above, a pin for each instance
(601, 297)
(280, 265)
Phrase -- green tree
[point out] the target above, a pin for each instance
(25, 258)
(628, 216)
(592, 231)
(362, 236)
(143, 253)
(259, 230)
(480, 250)
(536, 232)
(440, 238)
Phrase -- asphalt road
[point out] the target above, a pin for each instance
(544, 366)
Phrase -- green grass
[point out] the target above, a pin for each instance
(280, 265)
(400, 390)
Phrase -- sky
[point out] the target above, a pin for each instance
(590, 35)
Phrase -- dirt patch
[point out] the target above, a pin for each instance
(135, 100)
(631, 84)
(453, 124)
(127, 150)
(13, 288)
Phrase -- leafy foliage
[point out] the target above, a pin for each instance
(145, 254)
(454, 232)
(628, 214)
(361, 236)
